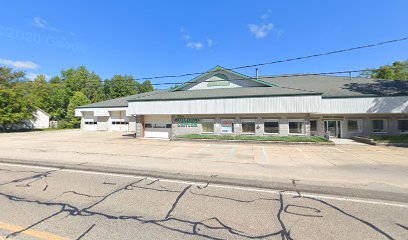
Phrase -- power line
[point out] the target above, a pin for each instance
(248, 78)
(285, 60)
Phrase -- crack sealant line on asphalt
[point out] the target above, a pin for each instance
(250, 189)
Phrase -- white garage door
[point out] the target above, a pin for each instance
(103, 123)
(120, 126)
(89, 121)
(119, 121)
(157, 126)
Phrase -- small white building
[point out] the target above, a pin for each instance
(221, 101)
(110, 115)
(41, 119)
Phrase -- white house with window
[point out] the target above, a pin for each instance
(224, 102)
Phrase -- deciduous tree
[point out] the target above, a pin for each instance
(78, 99)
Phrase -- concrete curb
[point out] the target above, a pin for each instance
(372, 142)
(253, 142)
(347, 191)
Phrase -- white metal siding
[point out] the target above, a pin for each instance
(89, 116)
(118, 116)
(283, 104)
(238, 82)
(158, 132)
(365, 105)
(41, 120)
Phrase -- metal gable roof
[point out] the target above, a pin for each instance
(220, 69)
(335, 86)
(224, 93)
(291, 85)
(118, 102)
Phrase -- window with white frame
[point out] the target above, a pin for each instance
(378, 125)
(207, 125)
(403, 125)
(296, 126)
(248, 126)
(227, 126)
(354, 125)
(271, 126)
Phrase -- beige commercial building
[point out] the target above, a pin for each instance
(222, 101)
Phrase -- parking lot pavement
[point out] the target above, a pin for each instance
(366, 167)
(52, 203)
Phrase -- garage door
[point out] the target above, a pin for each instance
(103, 123)
(119, 126)
(119, 121)
(157, 126)
(89, 121)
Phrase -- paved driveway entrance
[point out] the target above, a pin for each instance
(368, 166)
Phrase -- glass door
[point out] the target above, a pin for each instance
(333, 127)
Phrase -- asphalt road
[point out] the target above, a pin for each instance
(47, 203)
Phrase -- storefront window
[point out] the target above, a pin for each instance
(378, 126)
(296, 127)
(403, 125)
(271, 126)
(354, 125)
(157, 125)
(248, 126)
(207, 126)
(313, 126)
(227, 126)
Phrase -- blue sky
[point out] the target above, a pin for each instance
(151, 38)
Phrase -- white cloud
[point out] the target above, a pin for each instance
(266, 15)
(260, 31)
(19, 64)
(195, 45)
(43, 24)
(210, 42)
(184, 34)
(31, 76)
(39, 22)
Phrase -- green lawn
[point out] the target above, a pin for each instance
(255, 138)
(403, 138)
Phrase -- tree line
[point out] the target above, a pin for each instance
(60, 95)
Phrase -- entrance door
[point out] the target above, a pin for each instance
(333, 127)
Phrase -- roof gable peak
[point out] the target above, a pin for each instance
(225, 70)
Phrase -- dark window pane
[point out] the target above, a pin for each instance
(208, 127)
(352, 126)
(378, 126)
(403, 125)
(271, 127)
(248, 127)
(313, 125)
(296, 127)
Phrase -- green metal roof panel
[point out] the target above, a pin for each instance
(225, 93)
(118, 102)
(327, 86)
(335, 86)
